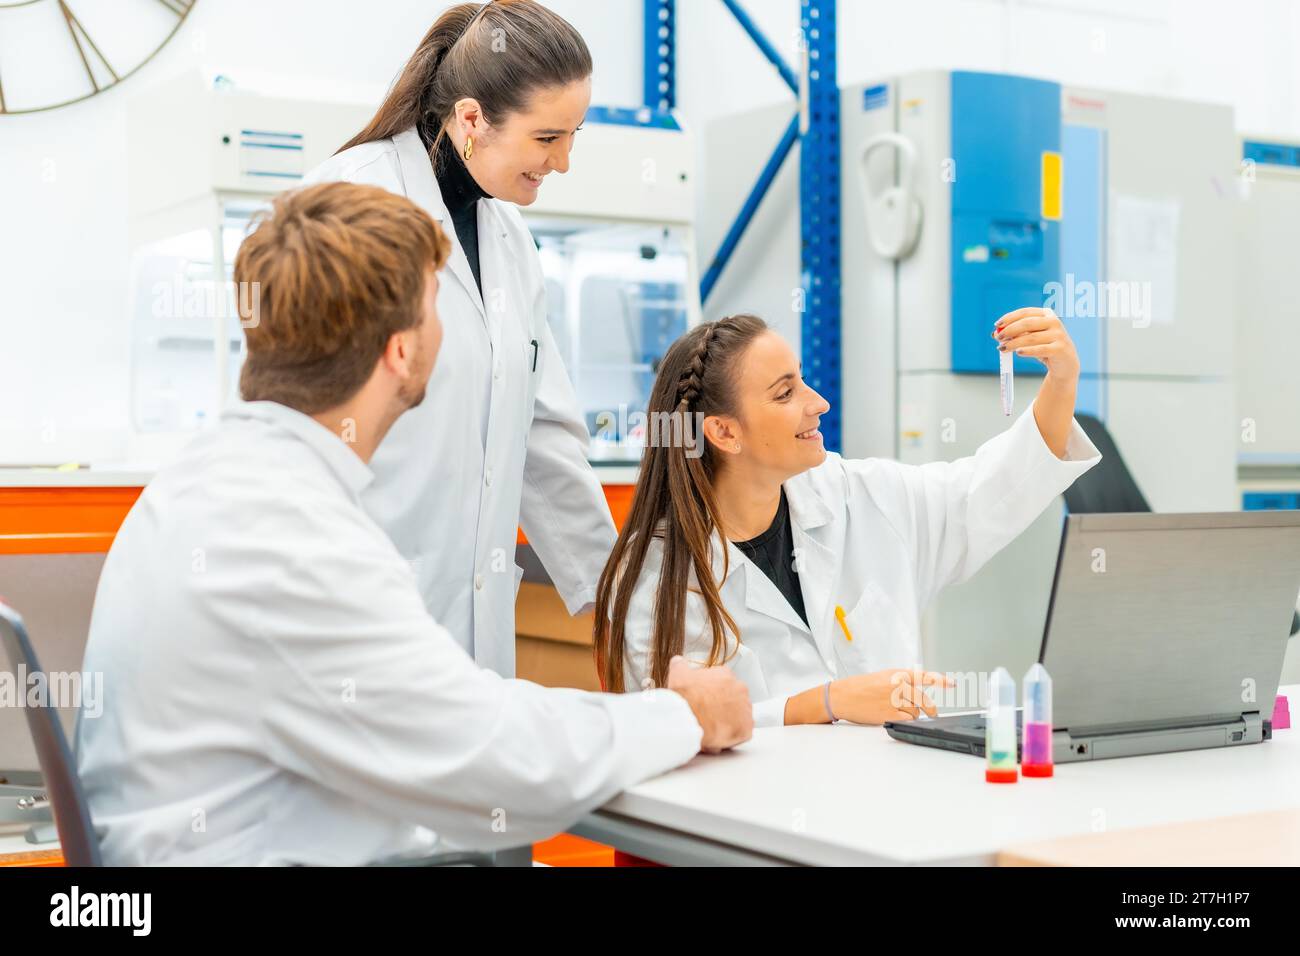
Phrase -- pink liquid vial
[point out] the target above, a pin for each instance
(1036, 738)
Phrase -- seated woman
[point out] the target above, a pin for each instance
(749, 545)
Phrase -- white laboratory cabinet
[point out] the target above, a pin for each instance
(615, 235)
(1266, 311)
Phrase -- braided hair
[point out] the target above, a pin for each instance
(692, 377)
(674, 501)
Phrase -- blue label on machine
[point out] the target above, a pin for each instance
(272, 154)
(1270, 501)
(1083, 240)
(875, 97)
(643, 116)
(1273, 154)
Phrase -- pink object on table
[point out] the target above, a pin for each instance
(1281, 713)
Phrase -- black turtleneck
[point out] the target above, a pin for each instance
(461, 193)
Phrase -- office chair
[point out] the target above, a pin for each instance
(1109, 487)
(71, 813)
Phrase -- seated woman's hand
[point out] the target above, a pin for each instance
(885, 695)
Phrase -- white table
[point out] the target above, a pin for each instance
(851, 795)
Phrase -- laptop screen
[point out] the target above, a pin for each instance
(1168, 618)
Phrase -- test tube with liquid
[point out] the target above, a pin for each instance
(1005, 360)
(1000, 729)
(1036, 750)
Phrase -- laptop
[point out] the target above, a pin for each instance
(1165, 632)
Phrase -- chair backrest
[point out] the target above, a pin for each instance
(1109, 487)
(62, 785)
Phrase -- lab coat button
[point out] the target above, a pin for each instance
(478, 582)
(487, 478)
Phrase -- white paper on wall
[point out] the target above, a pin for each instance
(1143, 279)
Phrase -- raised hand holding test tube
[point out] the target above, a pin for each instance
(1038, 333)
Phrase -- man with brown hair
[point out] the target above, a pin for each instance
(275, 691)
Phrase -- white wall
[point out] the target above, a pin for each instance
(63, 254)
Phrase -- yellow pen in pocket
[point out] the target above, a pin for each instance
(844, 625)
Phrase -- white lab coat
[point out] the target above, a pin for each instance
(496, 443)
(876, 537)
(276, 692)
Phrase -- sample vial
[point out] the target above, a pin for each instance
(1007, 378)
(1000, 729)
(1036, 751)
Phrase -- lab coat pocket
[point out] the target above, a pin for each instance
(533, 361)
(883, 636)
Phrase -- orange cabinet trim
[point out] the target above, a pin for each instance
(619, 499)
(62, 520)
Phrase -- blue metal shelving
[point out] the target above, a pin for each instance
(819, 214)
(816, 126)
(660, 43)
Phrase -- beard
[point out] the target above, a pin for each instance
(411, 393)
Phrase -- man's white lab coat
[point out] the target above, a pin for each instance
(276, 692)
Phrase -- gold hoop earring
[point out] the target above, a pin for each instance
(469, 147)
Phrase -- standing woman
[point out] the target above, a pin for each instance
(486, 108)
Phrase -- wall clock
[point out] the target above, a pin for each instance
(56, 52)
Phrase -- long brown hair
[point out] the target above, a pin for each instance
(674, 501)
(500, 53)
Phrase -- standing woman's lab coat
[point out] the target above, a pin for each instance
(876, 537)
(498, 440)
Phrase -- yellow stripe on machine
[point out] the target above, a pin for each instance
(1052, 200)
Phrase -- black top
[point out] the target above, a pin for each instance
(461, 192)
(773, 551)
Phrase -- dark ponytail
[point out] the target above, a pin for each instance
(674, 500)
(499, 53)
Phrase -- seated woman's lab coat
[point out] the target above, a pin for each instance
(880, 539)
